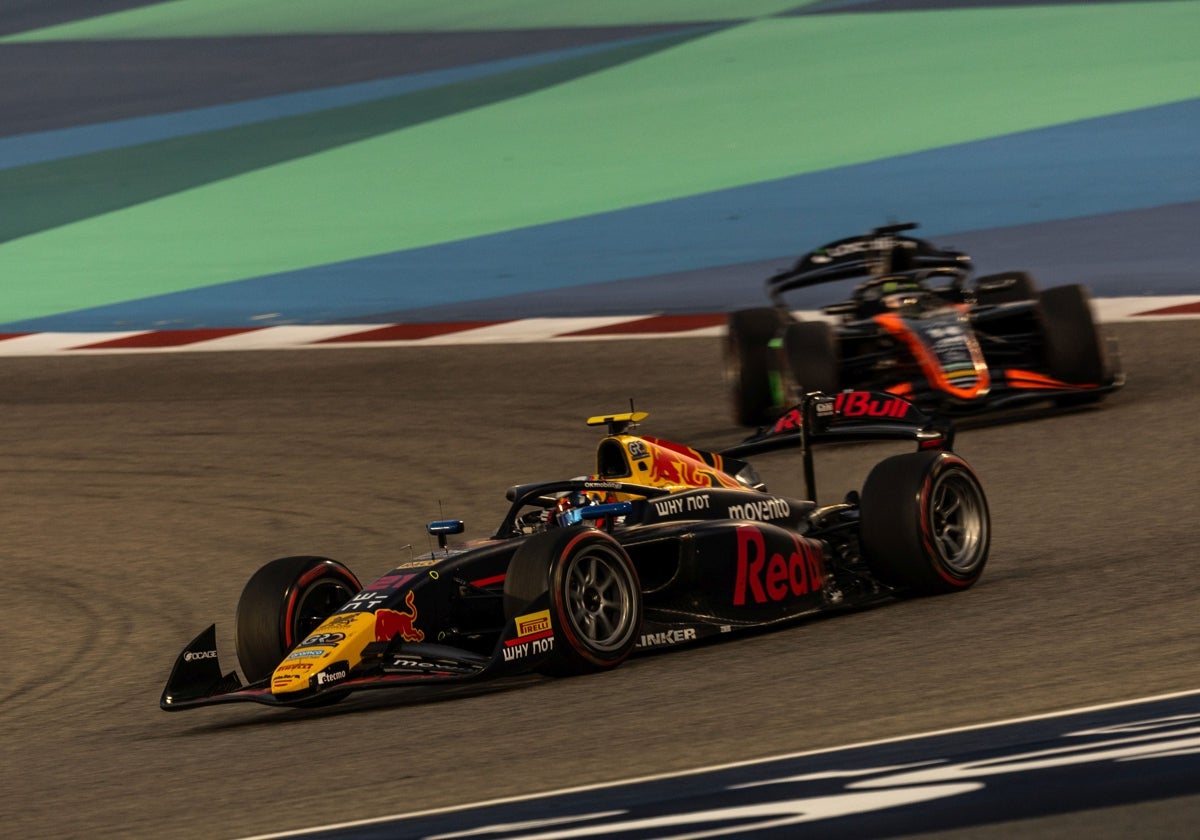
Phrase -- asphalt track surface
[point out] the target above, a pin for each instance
(144, 490)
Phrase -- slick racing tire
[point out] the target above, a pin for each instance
(925, 523)
(595, 597)
(810, 348)
(752, 364)
(1074, 348)
(282, 603)
(1006, 287)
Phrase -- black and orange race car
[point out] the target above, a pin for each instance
(917, 326)
(663, 545)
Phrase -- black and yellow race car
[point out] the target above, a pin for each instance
(664, 544)
(916, 325)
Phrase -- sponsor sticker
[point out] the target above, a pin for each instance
(762, 510)
(334, 674)
(322, 639)
(519, 649)
(419, 564)
(765, 576)
(674, 506)
(533, 624)
(294, 666)
(535, 635)
(340, 622)
(390, 582)
(667, 637)
(866, 404)
(197, 655)
(365, 600)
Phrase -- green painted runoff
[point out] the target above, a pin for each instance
(761, 101)
(196, 18)
(48, 195)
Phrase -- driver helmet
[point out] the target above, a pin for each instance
(898, 292)
(569, 507)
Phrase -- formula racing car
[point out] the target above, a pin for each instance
(663, 545)
(914, 326)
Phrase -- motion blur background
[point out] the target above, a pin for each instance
(234, 163)
(215, 163)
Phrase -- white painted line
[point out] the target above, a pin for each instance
(732, 765)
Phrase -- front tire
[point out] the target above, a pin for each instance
(1075, 352)
(810, 348)
(752, 365)
(282, 603)
(595, 597)
(925, 526)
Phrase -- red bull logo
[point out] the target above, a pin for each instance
(788, 422)
(683, 467)
(866, 404)
(392, 623)
(763, 579)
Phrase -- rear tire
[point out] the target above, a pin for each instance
(595, 598)
(282, 603)
(752, 365)
(810, 348)
(925, 526)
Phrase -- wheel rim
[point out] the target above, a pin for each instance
(959, 522)
(600, 595)
(317, 603)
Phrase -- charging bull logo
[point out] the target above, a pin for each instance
(392, 623)
(673, 465)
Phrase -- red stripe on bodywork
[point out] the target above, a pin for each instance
(655, 324)
(408, 332)
(167, 338)
(545, 634)
(6, 336)
(488, 581)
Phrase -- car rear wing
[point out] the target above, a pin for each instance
(847, 416)
(880, 252)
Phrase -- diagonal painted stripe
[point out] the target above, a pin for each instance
(407, 332)
(135, 174)
(44, 146)
(654, 324)
(1192, 308)
(520, 331)
(164, 338)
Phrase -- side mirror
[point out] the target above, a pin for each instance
(443, 528)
